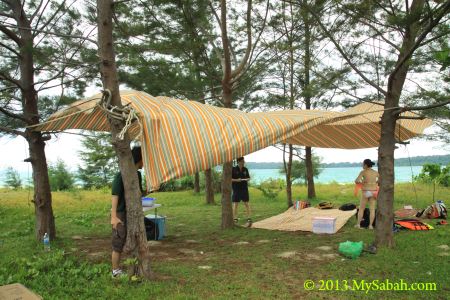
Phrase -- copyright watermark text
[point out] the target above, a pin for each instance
(367, 286)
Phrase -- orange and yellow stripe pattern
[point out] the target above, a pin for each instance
(183, 137)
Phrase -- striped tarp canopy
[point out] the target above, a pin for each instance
(183, 137)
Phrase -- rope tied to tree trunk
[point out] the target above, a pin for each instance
(126, 113)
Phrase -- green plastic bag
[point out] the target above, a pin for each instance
(351, 249)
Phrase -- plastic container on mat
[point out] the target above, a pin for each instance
(148, 202)
(324, 225)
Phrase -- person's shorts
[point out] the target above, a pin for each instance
(369, 194)
(119, 235)
(240, 195)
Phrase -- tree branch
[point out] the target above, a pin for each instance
(36, 11)
(10, 49)
(409, 108)
(8, 88)
(66, 132)
(284, 151)
(254, 45)
(14, 116)
(11, 35)
(445, 9)
(215, 13)
(120, 2)
(12, 80)
(40, 15)
(344, 55)
(55, 21)
(43, 87)
(435, 38)
(380, 34)
(50, 19)
(6, 15)
(369, 24)
(75, 51)
(48, 32)
(12, 131)
(241, 66)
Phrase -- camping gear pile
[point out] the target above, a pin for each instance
(301, 204)
(437, 210)
(406, 217)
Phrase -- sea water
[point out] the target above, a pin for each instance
(339, 175)
(328, 175)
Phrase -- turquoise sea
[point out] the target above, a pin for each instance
(339, 175)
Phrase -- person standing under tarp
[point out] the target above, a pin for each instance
(240, 177)
(369, 180)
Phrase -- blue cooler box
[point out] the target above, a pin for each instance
(160, 231)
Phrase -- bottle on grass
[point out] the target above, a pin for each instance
(46, 240)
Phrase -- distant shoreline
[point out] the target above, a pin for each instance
(442, 160)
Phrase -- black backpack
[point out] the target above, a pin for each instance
(151, 229)
(366, 218)
(347, 206)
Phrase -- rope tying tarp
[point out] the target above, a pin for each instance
(126, 113)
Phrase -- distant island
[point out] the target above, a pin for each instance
(401, 162)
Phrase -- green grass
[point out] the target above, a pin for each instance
(81, 268)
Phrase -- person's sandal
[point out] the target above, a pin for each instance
(249, 222)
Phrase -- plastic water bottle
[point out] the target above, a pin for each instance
(46, 242)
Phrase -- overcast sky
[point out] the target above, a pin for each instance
(67, 146)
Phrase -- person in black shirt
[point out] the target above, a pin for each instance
(240, 177)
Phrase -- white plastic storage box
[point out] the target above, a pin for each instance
(324, 225)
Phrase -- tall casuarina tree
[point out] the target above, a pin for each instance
(136, 242)
(41, 46)
(404, 31)
(233, 69)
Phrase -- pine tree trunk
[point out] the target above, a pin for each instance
(227, 212)
(196, 183)
(291, 106)
(45, 221)
(385, 202)
(227, 97)
(136, 243)
(309, 173)
(288, 171)
(209, 188)
(307, 93)
(385, 213)
(227, 92)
